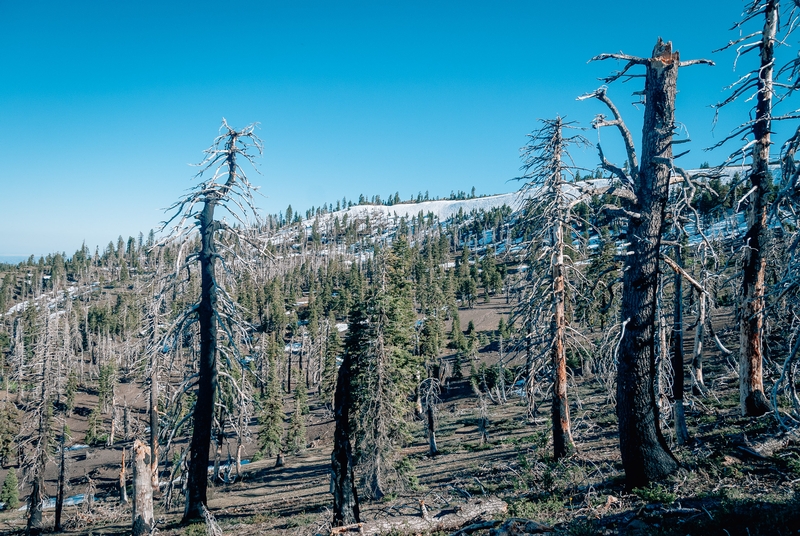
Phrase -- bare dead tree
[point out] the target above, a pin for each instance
(429, 390)
(645, 454)
(549, 176)
(215, 312)
(758, 83)
(343, 482)
(143, 520)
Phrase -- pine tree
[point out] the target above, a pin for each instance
(332, 349)
(10, 492)
(9, 428)
(296, 435)
(271, 415)
(385, 370)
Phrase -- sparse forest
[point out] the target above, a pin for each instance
(608, 350)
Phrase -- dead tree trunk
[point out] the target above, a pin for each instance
(752, 400)
(698, 383)
(345, 496)
(530, 372)
(207, 381)
(35, 525)
(681, 432)
(61, 480)
(143, 521)
(563, 444)
(153, 422)
(123, 480)
(432, 431)
(645, 454)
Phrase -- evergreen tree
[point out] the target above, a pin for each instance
(271, 415)
(296, 435)
(9, 428)
(10, 492)
(385, 369)
(332, 349)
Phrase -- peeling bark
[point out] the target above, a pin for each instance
(752, 400)
(143, 520)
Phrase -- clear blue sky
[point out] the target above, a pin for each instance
(103, 104)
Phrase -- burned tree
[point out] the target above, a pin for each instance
(645, 454)
(215, 313)
(551, 194)
(343, 483)
(752, 400)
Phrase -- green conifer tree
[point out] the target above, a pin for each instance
(296, 435)
(10, 492)
(271, 414)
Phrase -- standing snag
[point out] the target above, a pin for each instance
(215, 312)
(548, 213)
(752, 400)
(143, 521)
(645, 454)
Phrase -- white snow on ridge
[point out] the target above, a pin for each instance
(442, 209)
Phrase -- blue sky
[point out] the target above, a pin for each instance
(103, 104)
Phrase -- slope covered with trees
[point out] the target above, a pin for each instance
(386, 360)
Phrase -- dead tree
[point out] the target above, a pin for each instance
(143, 521)
(343, 483)
(429, 391)
(548, 171)
(62, 477)
(215, 312)
(752, 400)
(681, 432)
(645, 454)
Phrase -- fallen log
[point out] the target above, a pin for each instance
(472, 512)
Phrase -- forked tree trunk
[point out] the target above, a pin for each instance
(343, 485)
(645, 454)
(143, 521)
(752, 400)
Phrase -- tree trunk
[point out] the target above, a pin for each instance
(562, 434)
(681, 433)
(127, 421)
(289, 366)
(432, 431)
(698, 384)
(345, 496)
(530, 386)
(752, 401)
(219, 438)
(35, 525)
(143, 521)
(123, 481)
(197, 483)
(645, 454)
(61, 481)
(154, 423)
